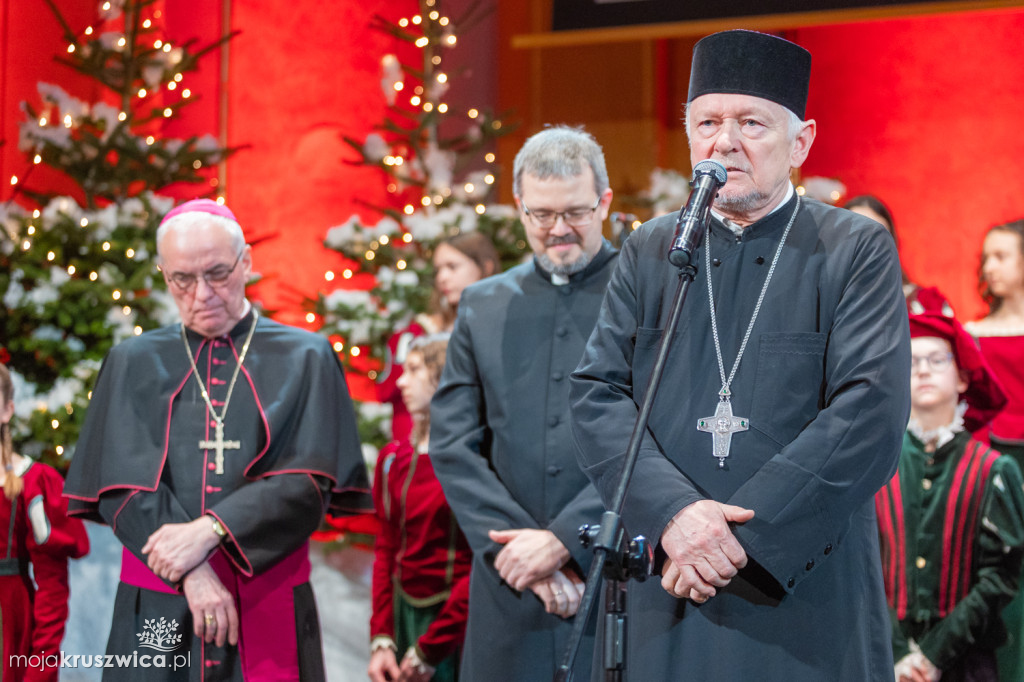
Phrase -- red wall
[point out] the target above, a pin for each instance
(921, 111)
(925, 113)
(301, 76)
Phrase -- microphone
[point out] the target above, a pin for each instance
(708, 178)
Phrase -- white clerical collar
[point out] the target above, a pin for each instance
(559, 280)
(738, 229)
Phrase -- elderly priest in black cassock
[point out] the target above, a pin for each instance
(213, 448)
(781, 409)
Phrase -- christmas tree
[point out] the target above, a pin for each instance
(78, 272)
(438, 167)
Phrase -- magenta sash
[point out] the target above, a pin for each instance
(268, 643)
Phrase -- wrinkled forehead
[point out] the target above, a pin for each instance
(730, 105)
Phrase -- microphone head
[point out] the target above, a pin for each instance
(713, 168)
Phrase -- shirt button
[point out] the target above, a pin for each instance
(562, 331)
(211, 466)
(554, 471)
(926, 484)
(553, 421)
(557, 376)
(920, 562)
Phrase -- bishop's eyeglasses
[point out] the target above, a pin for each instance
(936, 361)
(574, 217)
(215, 276)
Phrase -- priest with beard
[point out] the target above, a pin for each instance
(781, 409)
(213, 448)
(499, 421)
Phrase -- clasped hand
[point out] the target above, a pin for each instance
(702, 551)
(176, 548)
(533, 559)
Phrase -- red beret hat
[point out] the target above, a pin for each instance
(984, 394)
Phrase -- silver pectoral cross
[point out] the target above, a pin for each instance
(220, 445)
(721, 427)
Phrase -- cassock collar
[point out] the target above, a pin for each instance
(596, 264)
(775, 220)
(237, 332)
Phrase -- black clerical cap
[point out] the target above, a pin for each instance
(751, 63)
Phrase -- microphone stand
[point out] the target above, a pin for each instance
(615, 561)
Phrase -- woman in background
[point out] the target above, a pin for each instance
(919, 299)
(458, 262)
(421, 559)
(34, 529)
(1001, 332)
(1001, 337)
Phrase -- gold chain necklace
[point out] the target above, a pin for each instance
(219, 444)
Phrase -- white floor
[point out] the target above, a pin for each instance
(341, 581)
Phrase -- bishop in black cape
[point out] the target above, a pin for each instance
(138, 465)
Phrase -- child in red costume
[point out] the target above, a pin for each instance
(421, 563)
(34, 529)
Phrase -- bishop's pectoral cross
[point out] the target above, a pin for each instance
(721, 427)
(220, 445)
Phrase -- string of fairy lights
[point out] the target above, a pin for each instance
(81, 44)
(431, 32)
(417, 94)
(171, 79)
(71, 122)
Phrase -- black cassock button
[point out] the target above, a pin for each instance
(716, 262)
(828, 548)
(759, 260)
(790, 582)
(810, 565)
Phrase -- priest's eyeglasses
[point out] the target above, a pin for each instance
(574, 217)
(936, 361)
(186, 281)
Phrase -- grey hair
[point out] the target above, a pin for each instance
(192, 218)
(793, 123)
(560, 152)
